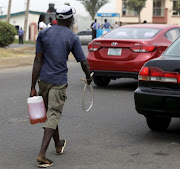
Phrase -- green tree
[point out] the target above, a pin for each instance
(137, 6)
(7, 33)
(92, 6)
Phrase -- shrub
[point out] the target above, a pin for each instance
(7, 34)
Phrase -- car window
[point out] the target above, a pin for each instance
(172, 34)
(80, 33)
(84, 33)
(132, 33)
(173, 50)
(88, 33)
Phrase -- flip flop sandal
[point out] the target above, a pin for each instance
(45, 165)
(62, 149)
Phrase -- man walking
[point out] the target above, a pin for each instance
(50, 70)
(20, 33)
(95, 26)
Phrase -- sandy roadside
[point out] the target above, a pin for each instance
(13, 57)
(24, 56)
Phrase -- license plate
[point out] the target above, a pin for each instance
(114, 51)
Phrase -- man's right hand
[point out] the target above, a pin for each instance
(89, 80)
(33, 92)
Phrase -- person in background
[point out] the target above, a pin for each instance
(116, 25)
(53, 46)
(93, 23)
(95, 26)
(92, 28)
(106, 25)
(50, 22)
(20, 33)
(41, 22)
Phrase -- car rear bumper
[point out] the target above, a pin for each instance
(105, 64)
(157, 102)
(115, 74)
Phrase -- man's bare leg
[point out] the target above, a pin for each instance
(58, 143)
(48, 134)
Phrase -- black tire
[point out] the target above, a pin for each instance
(101, 81)
(158, 123)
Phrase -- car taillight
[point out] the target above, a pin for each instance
(144, 74)
(92, 47)
(156, 74)
(148, 48)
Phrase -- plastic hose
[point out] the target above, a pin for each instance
(83, 95)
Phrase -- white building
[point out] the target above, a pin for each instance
(17, 19)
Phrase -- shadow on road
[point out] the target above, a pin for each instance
(172, 136)
(126, 85)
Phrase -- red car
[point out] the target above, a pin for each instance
(123, 51)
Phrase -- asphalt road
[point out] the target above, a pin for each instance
(111, 136)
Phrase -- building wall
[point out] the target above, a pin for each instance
(16, 20)
(171, 19)
(19, 21)
(119, 9)
(33, 22)
(168, 5)
(147, 13)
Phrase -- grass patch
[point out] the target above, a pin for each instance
(16, 41)
(17, 52)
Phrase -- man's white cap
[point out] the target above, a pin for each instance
(65, 12)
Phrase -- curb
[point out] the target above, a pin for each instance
(16, 62)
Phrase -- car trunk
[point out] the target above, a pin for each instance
(116, 50)
(169, 66)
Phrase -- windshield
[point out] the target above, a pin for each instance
(132, 33)
(173, 50)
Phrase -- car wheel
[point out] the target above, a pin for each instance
(101, 81)
(158, 123)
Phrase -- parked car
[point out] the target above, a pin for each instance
(85, 37)
(123, 51)
(158, 94)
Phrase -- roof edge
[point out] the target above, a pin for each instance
(21, 13)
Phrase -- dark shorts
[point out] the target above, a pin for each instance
(54, 97)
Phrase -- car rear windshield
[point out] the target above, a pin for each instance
(132, 33)
(173, 51)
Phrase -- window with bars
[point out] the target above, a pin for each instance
(176, 7)
(158, 9)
